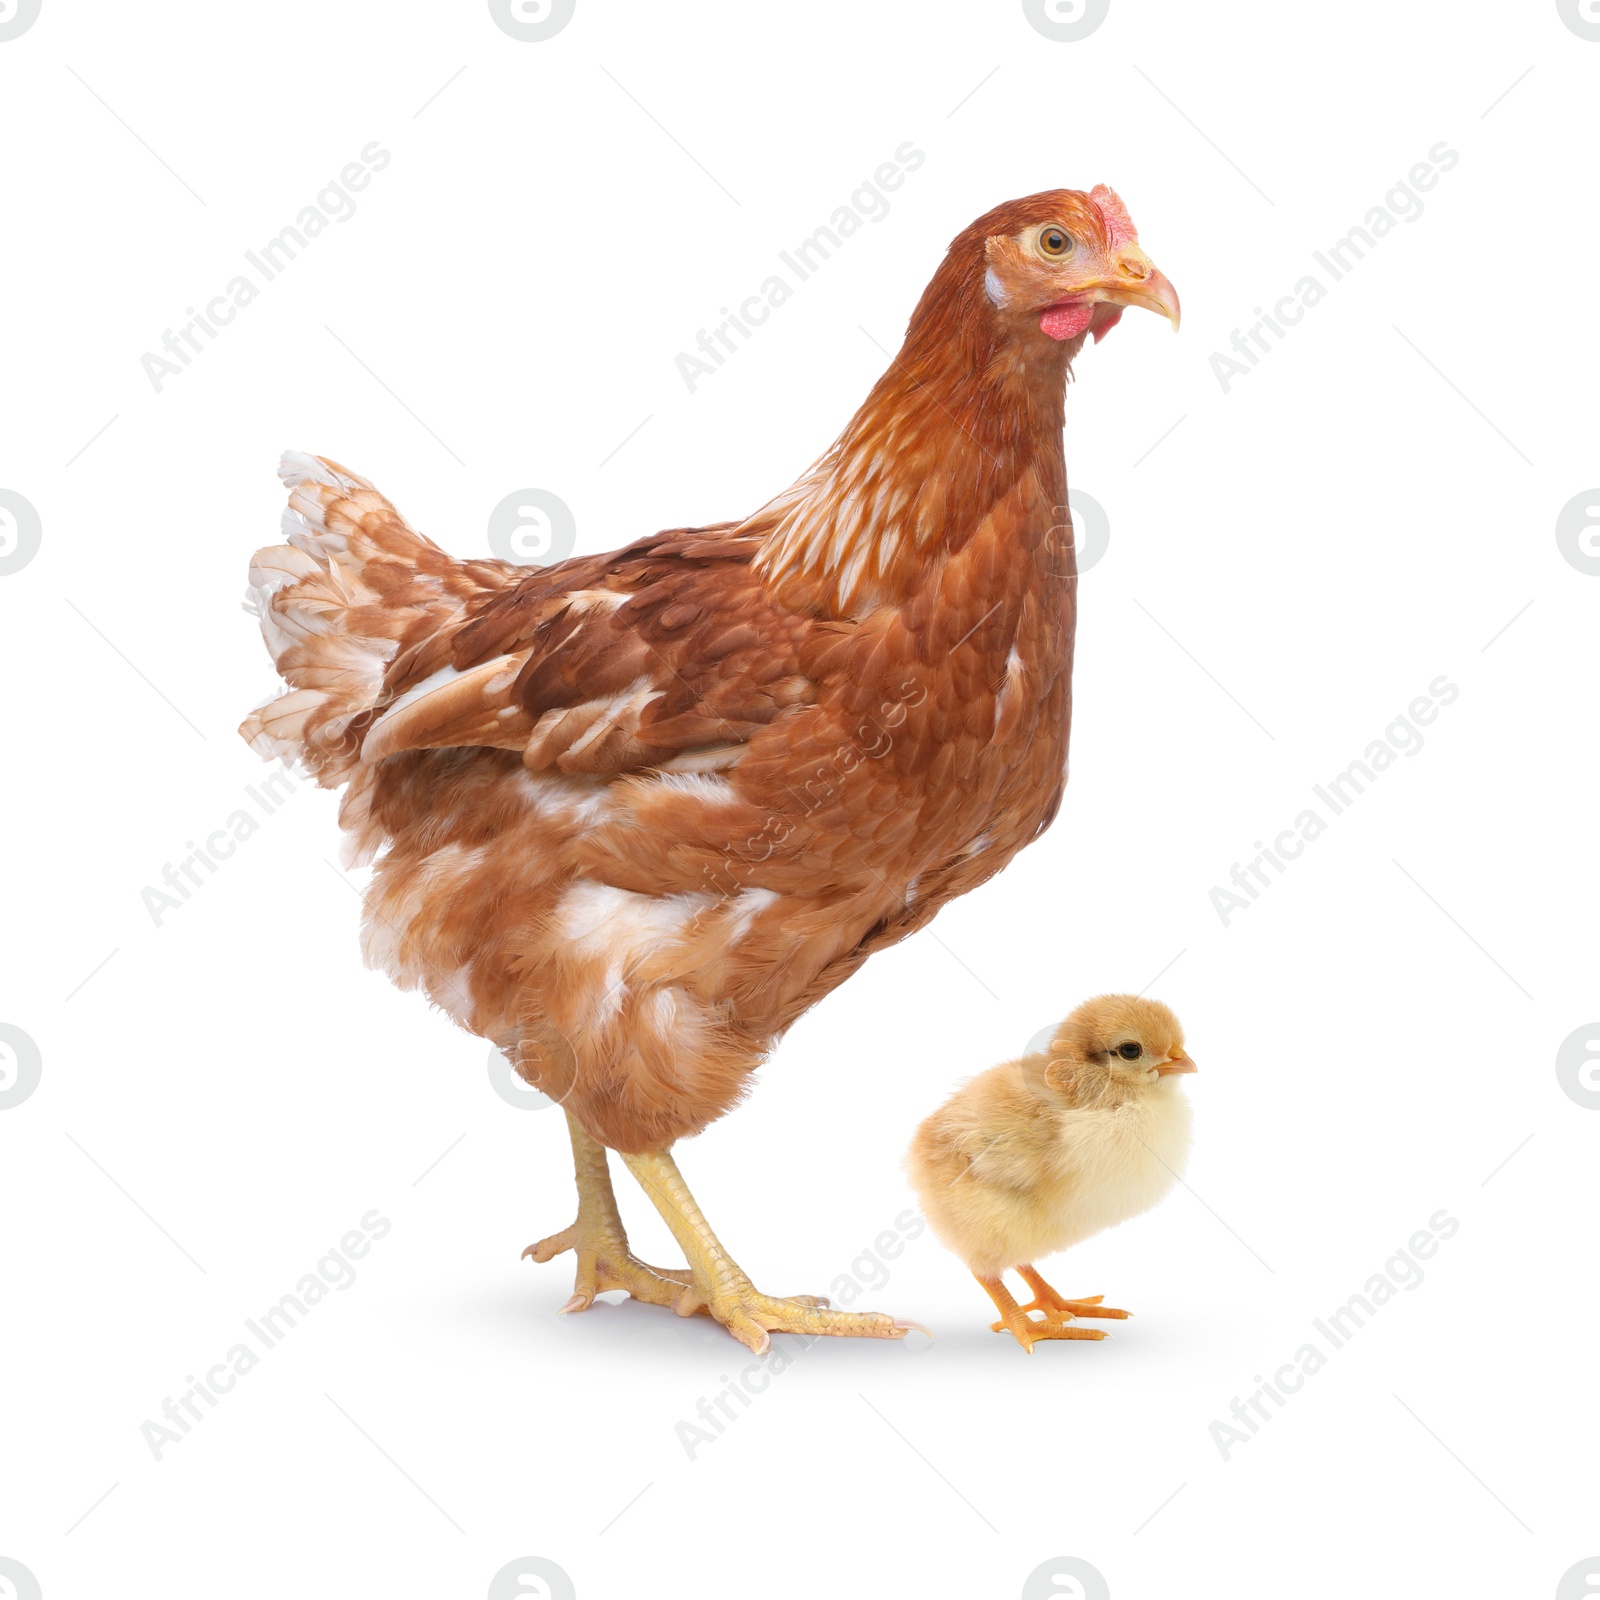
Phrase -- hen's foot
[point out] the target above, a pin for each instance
(1058, 1322)
(718, 1285)
(605, 1262)
(599, 1241)
(751, 1316)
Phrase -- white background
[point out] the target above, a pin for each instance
(224, 1095)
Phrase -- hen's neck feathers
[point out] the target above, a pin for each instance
(958, 421)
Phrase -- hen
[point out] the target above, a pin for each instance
(633, 813)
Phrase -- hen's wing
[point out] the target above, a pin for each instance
(667, 654)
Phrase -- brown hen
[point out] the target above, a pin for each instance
(633, 813)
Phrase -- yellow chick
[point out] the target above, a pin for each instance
(1040, 1153)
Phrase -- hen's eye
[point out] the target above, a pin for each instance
(1055, 242)
(1129, 1051)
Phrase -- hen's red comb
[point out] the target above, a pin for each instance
(1118, 223)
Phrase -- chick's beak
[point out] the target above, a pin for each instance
(1137, 281)
(1179, 1062)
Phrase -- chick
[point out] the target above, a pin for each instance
(1042, 1152)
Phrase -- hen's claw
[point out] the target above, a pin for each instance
(605, 1262)
(557, 1243)
(751, 1317)
(596, 1236)
(713, 1284)
(720, 1287)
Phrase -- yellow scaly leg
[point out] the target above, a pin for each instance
(597, 1236)
(719, 1285)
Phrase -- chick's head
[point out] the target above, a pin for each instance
(1138, 1041)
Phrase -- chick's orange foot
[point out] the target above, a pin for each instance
(1059, 1316)
(1027, 1331)
(1056, 1306)
(1061, 1310)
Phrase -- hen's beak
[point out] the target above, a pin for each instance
(1138, 282)
(1132, 281)
(1180, 1062)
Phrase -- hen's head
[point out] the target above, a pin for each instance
(1048, 269)
(1062, 264)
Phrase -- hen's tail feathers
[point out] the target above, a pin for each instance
(353, 588)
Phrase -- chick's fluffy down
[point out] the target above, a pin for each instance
(1025, 1160)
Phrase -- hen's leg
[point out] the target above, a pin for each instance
(719, 1285)
(1024, 1329)
(604, 1260)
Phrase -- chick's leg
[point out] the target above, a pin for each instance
(1055, 1306)
(719, 1285)
(1023, 1328)
(597, 1237)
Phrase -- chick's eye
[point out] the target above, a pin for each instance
(1055, 242)
(1129, 1051)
